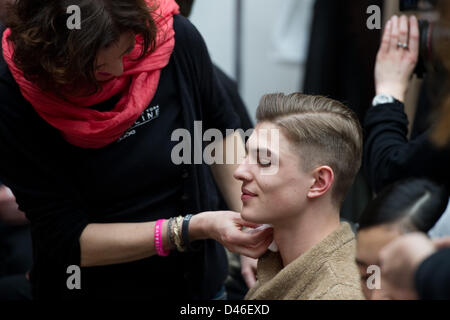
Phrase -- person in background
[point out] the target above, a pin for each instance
(389, 155)
(407, 206)
(15, 241)
(301, 160)
(414, 265)
(15, 249)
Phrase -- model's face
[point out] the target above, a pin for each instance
(370, 241)
(110, 60)
(272, 196)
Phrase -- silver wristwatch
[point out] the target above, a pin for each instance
(382, 99)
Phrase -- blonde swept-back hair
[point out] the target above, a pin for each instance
(324, 131)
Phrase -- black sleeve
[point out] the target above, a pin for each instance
(433, 277)
(389, 155)
(217, 109)
(236, 101)
(33, 166)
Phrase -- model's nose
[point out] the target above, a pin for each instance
(243, 173)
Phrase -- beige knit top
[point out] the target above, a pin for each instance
(325, 272)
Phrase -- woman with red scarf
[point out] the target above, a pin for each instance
(86, 121)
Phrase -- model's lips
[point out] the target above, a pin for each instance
(245, 192)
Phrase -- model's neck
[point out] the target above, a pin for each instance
(308, 228)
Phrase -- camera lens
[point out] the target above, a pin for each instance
(425, 49)
(414, 5)
(407, 5)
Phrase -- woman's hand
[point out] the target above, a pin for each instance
(395, 64)
(248, 270)
(226, 227)
(399, 261)
(9, 209)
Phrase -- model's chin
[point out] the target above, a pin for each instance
(250, 215)
(246, 214)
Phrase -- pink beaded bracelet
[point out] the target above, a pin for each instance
(158, 239)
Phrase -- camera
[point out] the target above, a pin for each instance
(417, 5)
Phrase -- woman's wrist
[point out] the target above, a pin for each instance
(165, 236)
(397, 93)
(199, 227)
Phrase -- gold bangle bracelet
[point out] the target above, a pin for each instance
(180, 232)
(177, 234)
(170, 231)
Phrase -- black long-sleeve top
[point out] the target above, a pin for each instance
(63, 188)
(432, 278)
(388, 154)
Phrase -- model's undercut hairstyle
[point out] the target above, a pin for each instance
(54, 56)
(324, 132)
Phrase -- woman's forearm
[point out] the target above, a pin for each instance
(115, 243)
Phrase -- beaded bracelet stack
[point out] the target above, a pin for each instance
(175, 233)
(178, 231)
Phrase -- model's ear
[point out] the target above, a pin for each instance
(323, 180)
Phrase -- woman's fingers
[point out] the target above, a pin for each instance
(260, 242)
(246, 239)
(246, 223)
(256, 252)
(414, 36)
(394, 34)
(227, 229)
(386, 38)
(248, 270)
(442, 243)
(403, 30)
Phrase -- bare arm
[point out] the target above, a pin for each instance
(105, 244)
(233, 148)
(114, 243)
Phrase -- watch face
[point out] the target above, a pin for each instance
(382, 99)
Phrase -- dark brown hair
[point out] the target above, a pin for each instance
(412, 205)
(324, 131)
(441, 133)
(53, 56)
